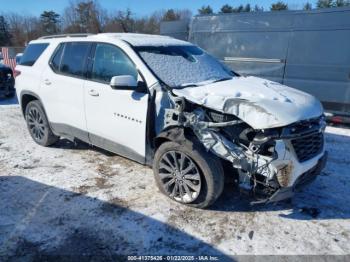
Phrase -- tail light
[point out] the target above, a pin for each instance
(16, 73)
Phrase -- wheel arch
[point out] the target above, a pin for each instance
(26, 97)
(177, 134)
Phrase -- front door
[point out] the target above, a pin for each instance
(116, 118)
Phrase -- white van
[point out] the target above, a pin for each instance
(168, 104)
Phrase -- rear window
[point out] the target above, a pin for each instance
(32, 53)
(73, 59)
(56, 60)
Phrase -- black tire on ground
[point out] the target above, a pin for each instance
(211, 173)
(38, 124)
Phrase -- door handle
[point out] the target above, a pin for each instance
(93, 92)
(47, 82)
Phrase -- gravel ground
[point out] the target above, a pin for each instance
(71, 199)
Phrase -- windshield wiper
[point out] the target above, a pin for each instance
(188, 85)
(222, 79)
(206, 82)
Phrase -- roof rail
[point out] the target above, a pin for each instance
(64, 35)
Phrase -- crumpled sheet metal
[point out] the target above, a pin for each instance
(260, 103)
(211, 139)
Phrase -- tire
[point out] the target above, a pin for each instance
(38, 125)
(207, 168)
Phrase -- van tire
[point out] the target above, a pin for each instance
(38, 124)
(211, 173)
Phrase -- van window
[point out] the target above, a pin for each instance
(74, 57)
(32, 53)
(56, 60)
(111, 61)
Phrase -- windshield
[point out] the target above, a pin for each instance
(181, 66)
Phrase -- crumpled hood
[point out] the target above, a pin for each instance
(259, 102)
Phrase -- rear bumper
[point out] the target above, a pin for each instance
(306, 178)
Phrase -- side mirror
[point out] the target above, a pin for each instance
(123, 82)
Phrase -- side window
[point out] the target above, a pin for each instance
(56, 60)
(73, 59)
(32, 53)
(111, 61)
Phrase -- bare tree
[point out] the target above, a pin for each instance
(15, 22)
(84, 17)
(258, 8)
(126, 20)
(5, 36)
(149, 24)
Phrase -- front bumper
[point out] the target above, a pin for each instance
(306, 178)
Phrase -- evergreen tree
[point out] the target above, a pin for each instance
(171, 15)
(307, 6)
(205, 10)
(247, 8)
(50, 22)
(340, 3)
(226, 9)
(279, 6)
(324, 3)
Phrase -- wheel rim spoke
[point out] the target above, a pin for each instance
(192, 177)
(182, 160)
(41, 133)
(189, 168)
(173, 154)
(175, 189)
(169, 183)
(167, 168)
(167, 160)
(165, 175)
(192, 186)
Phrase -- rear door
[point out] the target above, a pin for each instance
(63, 89)
(116, 118)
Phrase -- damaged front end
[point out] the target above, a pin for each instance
(270, 163)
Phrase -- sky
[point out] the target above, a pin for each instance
(138, 7)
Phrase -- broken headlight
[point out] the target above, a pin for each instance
(220, 117)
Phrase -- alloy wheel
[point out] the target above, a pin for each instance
(180, 176)
(36, 123)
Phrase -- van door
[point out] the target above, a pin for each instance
(319, 63)
(116, 118)
(62, 89)
(250, 44)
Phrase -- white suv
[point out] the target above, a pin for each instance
(168, 104)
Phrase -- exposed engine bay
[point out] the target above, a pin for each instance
(270, 163)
